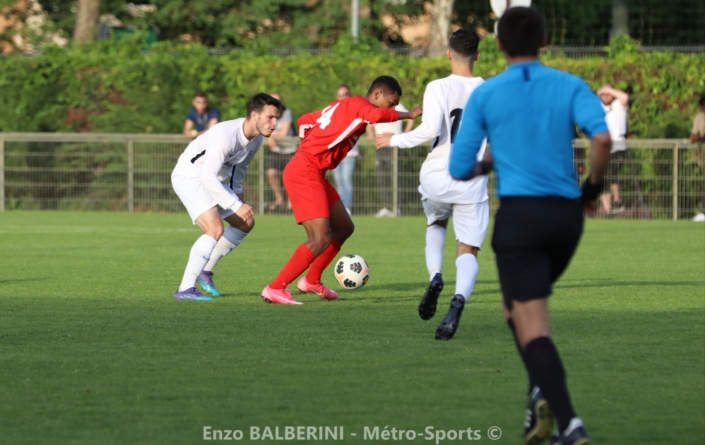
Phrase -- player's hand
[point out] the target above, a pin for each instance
(416, 112)
(590, 194)
(482, 168)
(383, 140)
(244, 212)
(590, 207)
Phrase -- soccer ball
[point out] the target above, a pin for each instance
(351, 271)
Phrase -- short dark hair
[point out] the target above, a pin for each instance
(257, 103)
(464, 42)
(200, 94)
(701, 102)
(521, 31)
(386, 84)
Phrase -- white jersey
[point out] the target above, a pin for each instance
(443, 105)
(220, 158)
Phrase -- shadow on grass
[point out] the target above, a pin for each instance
(415, 286)
(628, 283)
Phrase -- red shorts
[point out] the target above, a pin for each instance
(310, 193)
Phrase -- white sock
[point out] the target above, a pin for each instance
(231, 238)
(435, 240)
(466, 274)
(197, 259)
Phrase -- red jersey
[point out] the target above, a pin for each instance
(329, 134)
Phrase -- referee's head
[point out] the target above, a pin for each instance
(521, 32)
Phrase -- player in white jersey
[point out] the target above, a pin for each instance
(208, 179)
(443, 196)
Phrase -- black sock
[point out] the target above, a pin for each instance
(545, 368)
(510, 322)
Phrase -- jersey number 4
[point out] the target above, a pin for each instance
(326, 116)
(455, 116)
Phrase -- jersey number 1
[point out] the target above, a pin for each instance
(455, 116)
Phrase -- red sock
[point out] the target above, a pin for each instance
(297, 264)
(322, 261)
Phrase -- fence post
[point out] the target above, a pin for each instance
(675, 182)
(2, 173)
(260, 191)
(130, 176)
(395, 181)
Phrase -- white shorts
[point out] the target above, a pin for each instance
(196, 198)
(470, 221)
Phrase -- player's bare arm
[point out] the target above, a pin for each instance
(383, 140)
(189, 130)
(413, 114)
(600, 147)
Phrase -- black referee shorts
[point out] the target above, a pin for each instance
(534, 239)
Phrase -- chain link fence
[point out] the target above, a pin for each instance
(662, 179)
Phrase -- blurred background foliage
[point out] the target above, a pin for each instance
(110, 86)
(272, 23)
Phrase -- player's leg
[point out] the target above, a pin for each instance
(437, 215)
(342, 228)
(273, 179)
(275, 165)
(383, 164)
(617, 162)
(232, 236)
(343, 175)
(539, 353)
(212, 227)
(319, 238)
(470, 222)
(614, 188)
(526, 232)
(307, 191)
(203, 212)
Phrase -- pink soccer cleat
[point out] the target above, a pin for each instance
(318, 288)
(278, 296)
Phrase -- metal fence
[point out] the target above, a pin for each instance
(122, 172)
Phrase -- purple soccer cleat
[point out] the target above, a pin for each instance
(191, 294)
(205, 280)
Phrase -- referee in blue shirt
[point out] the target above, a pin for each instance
(529, 114)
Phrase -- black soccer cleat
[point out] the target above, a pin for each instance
(539, 419)
(446, 330)
(427, 306)
(575, 434)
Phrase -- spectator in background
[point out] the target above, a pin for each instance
(200, 117)
(615, 104)
(383, 162)
(280, 154)
(343, 174)
(698, 135)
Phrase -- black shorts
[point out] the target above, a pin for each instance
(616, 162)
(278, 161)
(534, 239)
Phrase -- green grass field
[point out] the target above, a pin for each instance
(94, 350)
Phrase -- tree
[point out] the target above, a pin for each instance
(86, 20)
(441, 16)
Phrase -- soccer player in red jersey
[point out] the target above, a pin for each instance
(327, 136)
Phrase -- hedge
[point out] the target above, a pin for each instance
(122, 87)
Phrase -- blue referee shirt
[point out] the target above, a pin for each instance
(529, 114)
